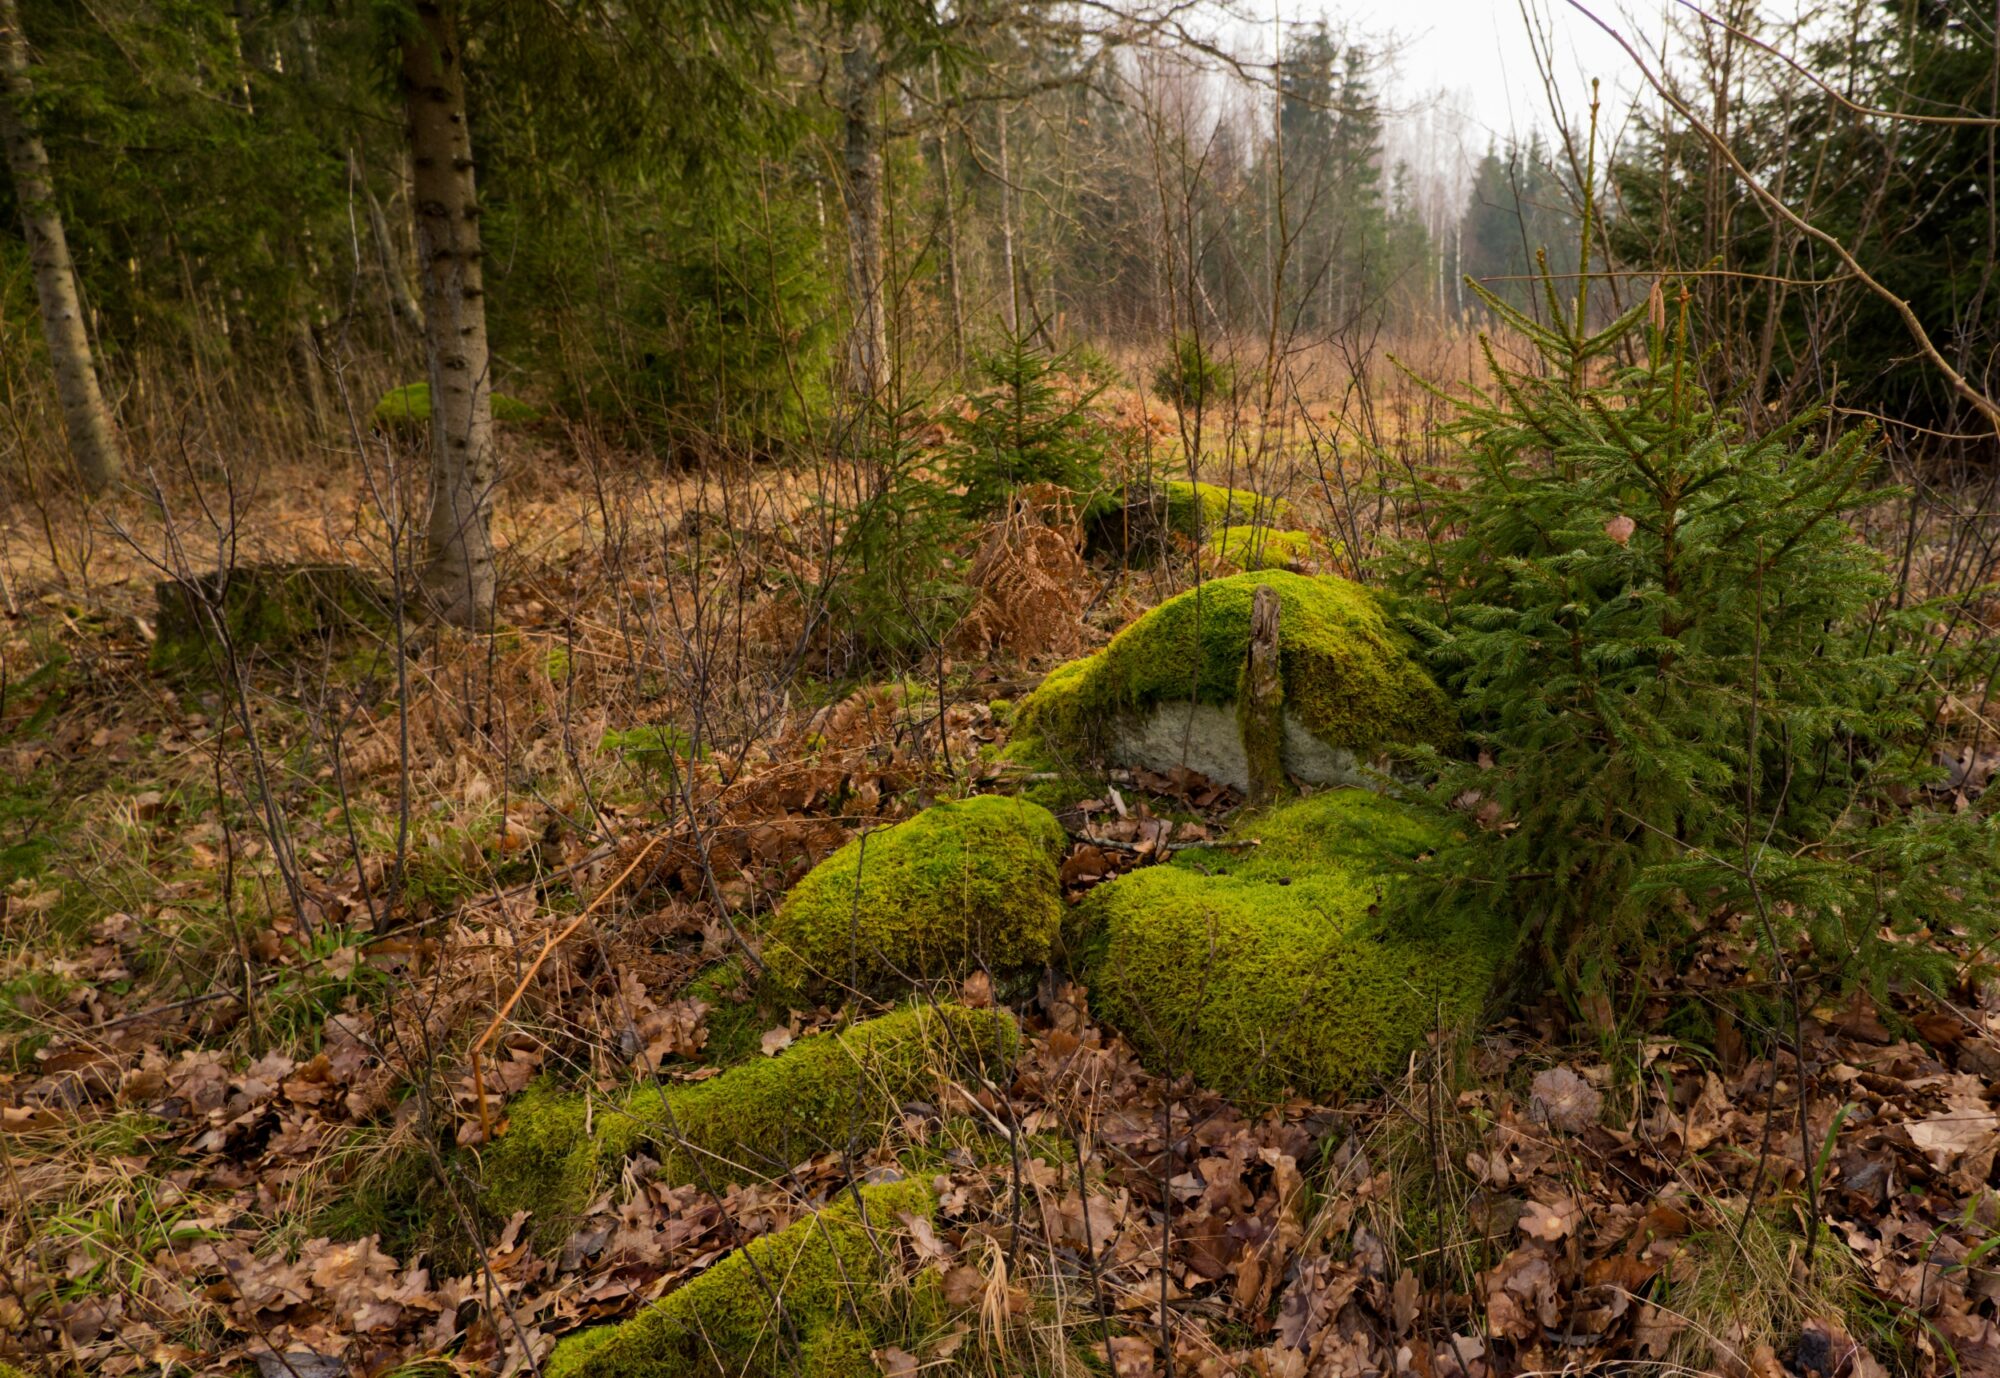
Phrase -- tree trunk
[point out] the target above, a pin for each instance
(1260, 703)
(93, 440)
(403, 308)
(459, 578)
(868, 340)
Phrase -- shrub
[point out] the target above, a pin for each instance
(1291, 964)
(753, 1122)
(1191, 378)
(962, 885)
(812, 1299)
(1023, 430)
(1681, 665)
(898, 580)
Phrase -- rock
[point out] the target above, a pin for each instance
(1144, 513)
(1164, 692)
(961, 886)
(1259, 547)
(1287, 966)
(751, 1123)
(263, 608)
(814, 1298)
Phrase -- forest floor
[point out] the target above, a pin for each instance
(249, 943)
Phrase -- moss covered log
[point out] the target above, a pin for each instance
(754, 1121)
(962, 885)
(1290, 966)
(1350, 674)
(811, 1300)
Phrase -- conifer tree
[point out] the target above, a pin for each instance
(1681, 670)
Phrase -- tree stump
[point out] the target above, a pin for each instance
(1260, 701)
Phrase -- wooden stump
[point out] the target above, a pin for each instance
(1260, 701)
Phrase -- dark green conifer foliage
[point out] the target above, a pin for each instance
(1688, 687)
(1024, 428)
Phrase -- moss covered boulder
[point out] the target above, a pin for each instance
(1145, 514)
(1256, 547)
(811, 1300)
(265, 609)
(407, 409)
(753, 1122)
(1287, 966)
(962, 885)
(1162, 694)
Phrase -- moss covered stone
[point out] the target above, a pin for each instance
(811, 1300)
(962, 885)
(1352, 684)
(1289, 965)
(1255, 547)
(1201, 510)
(753, 1122)
(408, 408)
(267, 608)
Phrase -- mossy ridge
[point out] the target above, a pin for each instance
(1290, 966)
(409, 408)
(1349, 673)
(1252, 547)
(961, 885)
(837, 1300)
(753, 1121)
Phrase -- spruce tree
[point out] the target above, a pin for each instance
(1687, 690)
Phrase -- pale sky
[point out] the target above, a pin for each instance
(1480, 50)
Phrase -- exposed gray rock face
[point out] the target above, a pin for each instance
(1204, 738)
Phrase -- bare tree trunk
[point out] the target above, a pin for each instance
(1260, 702)
(459, 577)
(1013, 298)
(954, 295)
(93, 440)
(403, 308)
(868, 339)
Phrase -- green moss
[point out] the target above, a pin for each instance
(961, 885)
(740, 1009)
(812, 1299)
(1197, 510)
(264, 608)
(1349, 673)
(1289, 965)
(1256, 547)
(408, 408)
(753, 1122)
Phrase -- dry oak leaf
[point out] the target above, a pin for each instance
(775, 1040)
(1967, 1124)
(1564, 1101)
(1550, 1221)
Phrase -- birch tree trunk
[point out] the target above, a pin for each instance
(93, 440)
(459, 577)
(868, 339)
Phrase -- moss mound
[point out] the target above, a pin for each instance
(408, 408)
(962, 885)
(1252, 547)
(1350, 675)
(754, 1121)
(810, 1300)
(1290, 965)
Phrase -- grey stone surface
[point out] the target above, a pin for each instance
(1203, 738)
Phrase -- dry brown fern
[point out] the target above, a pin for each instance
(1031, 579)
